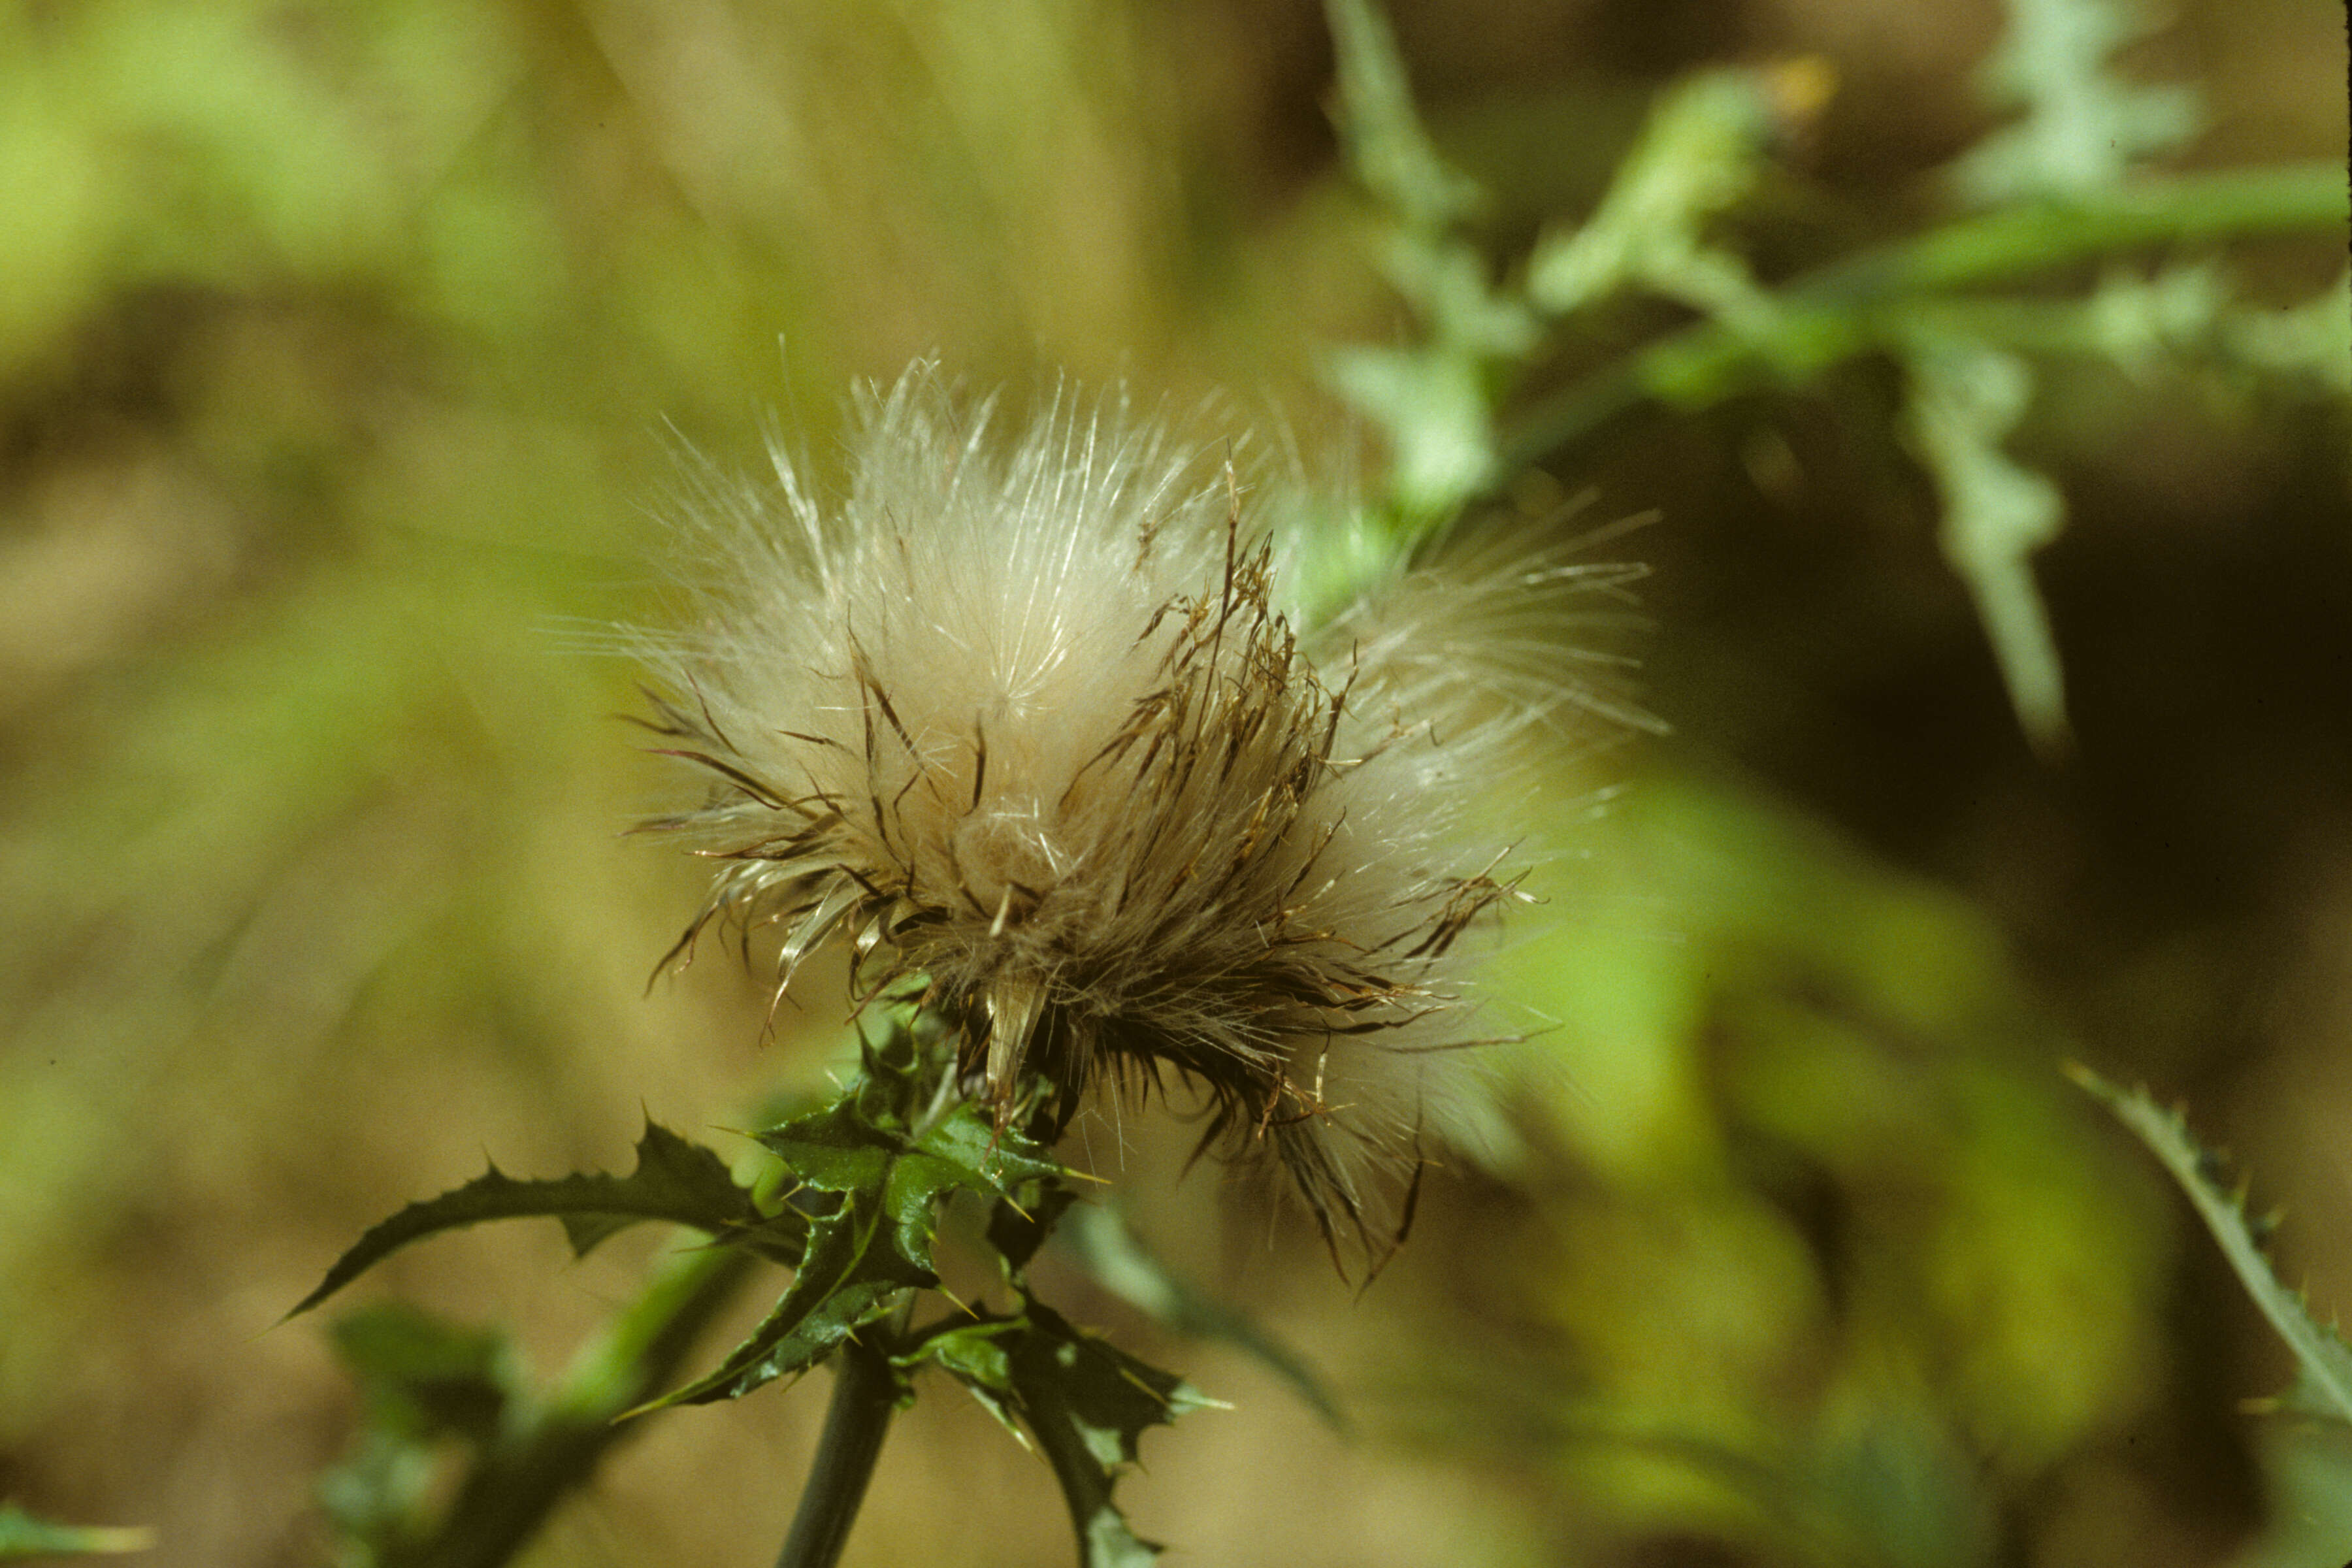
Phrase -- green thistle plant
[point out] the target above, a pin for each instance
(1109, 793)
(1024, 728)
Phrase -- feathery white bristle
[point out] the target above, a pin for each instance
(1018, 718)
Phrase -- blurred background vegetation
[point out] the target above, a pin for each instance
(341, 348)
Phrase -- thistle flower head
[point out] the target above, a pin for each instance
(1020, 724)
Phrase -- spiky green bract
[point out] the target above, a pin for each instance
(1019, 721)
(870, 1244)
(2324, 1386)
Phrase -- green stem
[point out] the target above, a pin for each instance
(864, 1395)
(1840, 311)
(517, 1483)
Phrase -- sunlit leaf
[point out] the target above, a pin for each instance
(1701, 154)
(1382, 131)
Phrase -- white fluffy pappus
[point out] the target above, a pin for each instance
(1018, 721)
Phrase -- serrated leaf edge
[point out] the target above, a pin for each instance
(395, 1231)
(2325, 1357)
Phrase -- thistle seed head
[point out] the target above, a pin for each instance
(1020, 724)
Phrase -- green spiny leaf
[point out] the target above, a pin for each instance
(861, 1258)
(2324, 1387)
(844, 1281)
(23, 1535)
(979, 1355)
(963, 1152)
(837, 1149)
(842, 1149)
(983, 1157)
(899, 1072)
(1086, 1402)
(678, 1181)
(1111, 1396)
(1018, 1231)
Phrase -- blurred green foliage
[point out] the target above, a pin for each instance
(337, 345)
(22, 1535)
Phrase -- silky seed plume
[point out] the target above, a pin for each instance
(1020, 724)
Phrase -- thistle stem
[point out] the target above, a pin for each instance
(864, 1395)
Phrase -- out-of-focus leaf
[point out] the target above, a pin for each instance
(2308, 1473)
(423, 1377)
(2312, 339)
(402, 1499)
(421, 1381)
(1382, 132)
(1965, 398)
(2324, 1386)
(1700, 154)
(2137, 321)
(1435, 412)
(1434, 399)
(23, 1535)
(678, 1181)
(2084, 128)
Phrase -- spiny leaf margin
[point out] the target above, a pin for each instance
(2325, 1357)
(676, 1180)
(1086, 1402)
